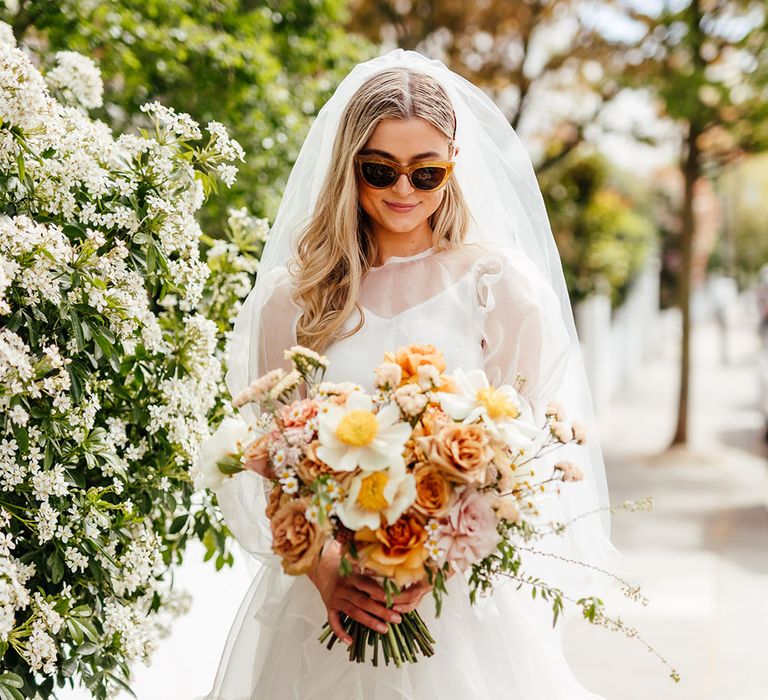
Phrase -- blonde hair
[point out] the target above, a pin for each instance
(336, 248)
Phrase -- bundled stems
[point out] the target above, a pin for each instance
(400, 643)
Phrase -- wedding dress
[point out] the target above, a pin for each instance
(484, 308)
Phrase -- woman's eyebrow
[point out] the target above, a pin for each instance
(418, 156)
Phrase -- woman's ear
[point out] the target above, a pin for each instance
(455, 151)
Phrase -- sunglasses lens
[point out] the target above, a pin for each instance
(378, 174)
(428, 178)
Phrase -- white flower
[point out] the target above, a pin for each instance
(286, 385)
(387, 493)
(388, 375)
(498, 408)
(301, 356)
(353, 435)
(570, 471)
(259, 388)
(410, 399)
(562, 431)
(77, 79)
(226, 441)
(428, 376)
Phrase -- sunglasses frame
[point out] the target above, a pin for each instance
(407, 170)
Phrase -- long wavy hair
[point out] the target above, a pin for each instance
(336, 247)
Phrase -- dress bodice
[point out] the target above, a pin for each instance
(449, 317)
(484, 308)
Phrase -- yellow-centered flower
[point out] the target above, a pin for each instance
(371, 496)
(357, 428)
(376, 496)
(496, 403)
(353, 435)
(500, 409)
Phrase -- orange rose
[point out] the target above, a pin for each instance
(435, 495)
(396, 551)
(463, 452)
(295, 539)
(411, 357)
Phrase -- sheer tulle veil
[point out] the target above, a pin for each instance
(498, 182)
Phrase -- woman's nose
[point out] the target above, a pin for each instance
(402, 184)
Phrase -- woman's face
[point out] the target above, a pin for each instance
(405, 141)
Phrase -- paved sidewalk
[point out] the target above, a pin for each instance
(702, 555)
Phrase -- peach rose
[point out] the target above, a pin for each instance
(396, 551)
(435, 495)
(311, 467)
(256, 457)
(297, 540)
(463, 452)
(275, 499)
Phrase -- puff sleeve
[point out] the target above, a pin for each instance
(523, 328)
(243, 498)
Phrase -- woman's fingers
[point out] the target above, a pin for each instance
(369, 586)
(337, 628)
(413, 593)
(409, 599)
(365, 602)
(363, 617)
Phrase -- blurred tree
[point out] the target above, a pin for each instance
(602, 235)
(744, 245)
(522, 52)
(264, 67)
(707, 60)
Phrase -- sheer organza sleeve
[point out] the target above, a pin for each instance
(523, 331)
(243, 498)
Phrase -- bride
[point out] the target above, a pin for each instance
(412, 215)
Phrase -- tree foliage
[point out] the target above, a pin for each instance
(707, 62)
(263, 67)
(602, 235)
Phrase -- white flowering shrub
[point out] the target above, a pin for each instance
(112, 330)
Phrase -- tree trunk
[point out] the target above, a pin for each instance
(691, 167)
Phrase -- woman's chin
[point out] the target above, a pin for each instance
(400, 224)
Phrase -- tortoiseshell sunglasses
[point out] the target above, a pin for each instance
(426, 175)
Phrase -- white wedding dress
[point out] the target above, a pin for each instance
(483, 309)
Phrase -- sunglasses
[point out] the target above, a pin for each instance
(380, 173)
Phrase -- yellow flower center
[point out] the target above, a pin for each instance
(497, 405)
(371, 495)
(357, 428)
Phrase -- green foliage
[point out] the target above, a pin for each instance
(744, 243)
(111, 344)
(263, 68)
(603, 237)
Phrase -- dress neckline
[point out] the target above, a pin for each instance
(394, 259)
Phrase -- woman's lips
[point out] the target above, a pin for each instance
(401, 208)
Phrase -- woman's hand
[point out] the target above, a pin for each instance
(356, 595)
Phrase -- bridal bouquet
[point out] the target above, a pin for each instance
(428, 475)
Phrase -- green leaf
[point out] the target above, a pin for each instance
(22, 437)
(178, 523)
(57, 569)
(77, 329)
(87, 649)
(121, 683)
(77, 385)
(12, 680)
